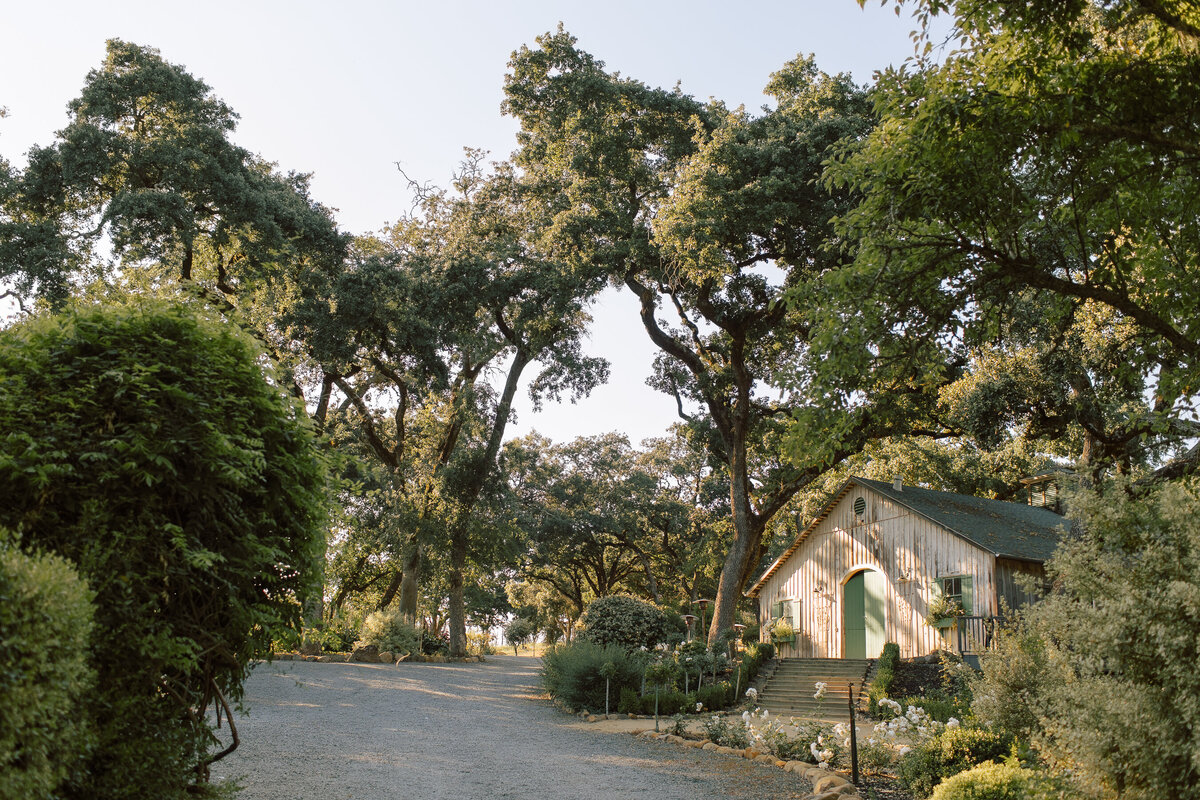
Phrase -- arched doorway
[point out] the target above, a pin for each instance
(864, 614)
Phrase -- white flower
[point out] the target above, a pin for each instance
(752, 693)
(826, 755)
(699, 707)
(765, 713)
(904, 750)
(746, 717)
(812, 748)
(952, 723)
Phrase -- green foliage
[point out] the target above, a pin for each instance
(1016, 680)
(388, 630)
(433, 644)
(950, 752)
(885, 676)
(1117, 648)
(715, 697)
(669, 702)
(624, 621)
(630, 702)
(45, 624)
(996, 781)
(571, 673)
(145, 445)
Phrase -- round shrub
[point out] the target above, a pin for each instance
(624, 621)
(147, 446)
(45, 622)
(993, 781)
(389, 631)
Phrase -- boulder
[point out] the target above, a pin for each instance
(310, 648)
(765, 759)
(387, 657)
(708, 746)
(830, 783)
(367, 653)
(591, 718)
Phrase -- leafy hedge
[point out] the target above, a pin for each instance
(45, 623)
(145, 445)
(571, 673)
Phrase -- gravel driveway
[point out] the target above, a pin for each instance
(462, 731)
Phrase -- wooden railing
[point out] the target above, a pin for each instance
(975, 635)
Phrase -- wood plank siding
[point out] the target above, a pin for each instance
(909, 550)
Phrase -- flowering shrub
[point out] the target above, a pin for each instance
(720, 731)
(625, 621)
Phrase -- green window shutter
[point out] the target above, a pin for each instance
(794, 612)
(968, 596)
(777, 610)
(935, 589)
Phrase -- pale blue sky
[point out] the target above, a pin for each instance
(345, 90)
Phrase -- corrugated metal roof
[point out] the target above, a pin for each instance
(1007, 530)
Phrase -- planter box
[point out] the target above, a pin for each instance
(946, 622)
(784, 639)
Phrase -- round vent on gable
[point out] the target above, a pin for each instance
(860, 507)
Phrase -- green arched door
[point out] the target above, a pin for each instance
(864, 614)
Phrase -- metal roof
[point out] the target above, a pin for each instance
(1007, 530)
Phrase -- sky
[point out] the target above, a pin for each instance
(346, 91)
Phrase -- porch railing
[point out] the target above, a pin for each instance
(975, 635)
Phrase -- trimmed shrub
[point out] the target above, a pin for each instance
(624, 621)
(885, 676)
(992, 781)
(571, 673)
(45, 622)
(147, 446)
(952, 751)
(388, 630)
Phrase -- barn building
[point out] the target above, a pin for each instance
(866, 570)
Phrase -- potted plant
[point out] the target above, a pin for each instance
(782, 632)
(943, 612)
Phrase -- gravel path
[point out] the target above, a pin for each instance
(461, 731)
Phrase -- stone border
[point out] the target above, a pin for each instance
(826, 785)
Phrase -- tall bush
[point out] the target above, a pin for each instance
(624, 621)
(950, 752)
(146, 445)
(45, 623)
(1101, 675)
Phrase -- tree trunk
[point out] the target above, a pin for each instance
(411, 572)
(458, 609)
(389, 593)
(461, 523)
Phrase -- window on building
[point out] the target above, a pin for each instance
(958, 589)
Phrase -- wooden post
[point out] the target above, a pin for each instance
(853, 738)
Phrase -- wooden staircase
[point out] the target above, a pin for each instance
(790, 689)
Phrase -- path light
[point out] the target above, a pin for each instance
(738, 629)
(689, 619)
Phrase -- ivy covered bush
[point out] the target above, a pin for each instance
(147, 446)
(45, 624)
(624, 621)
